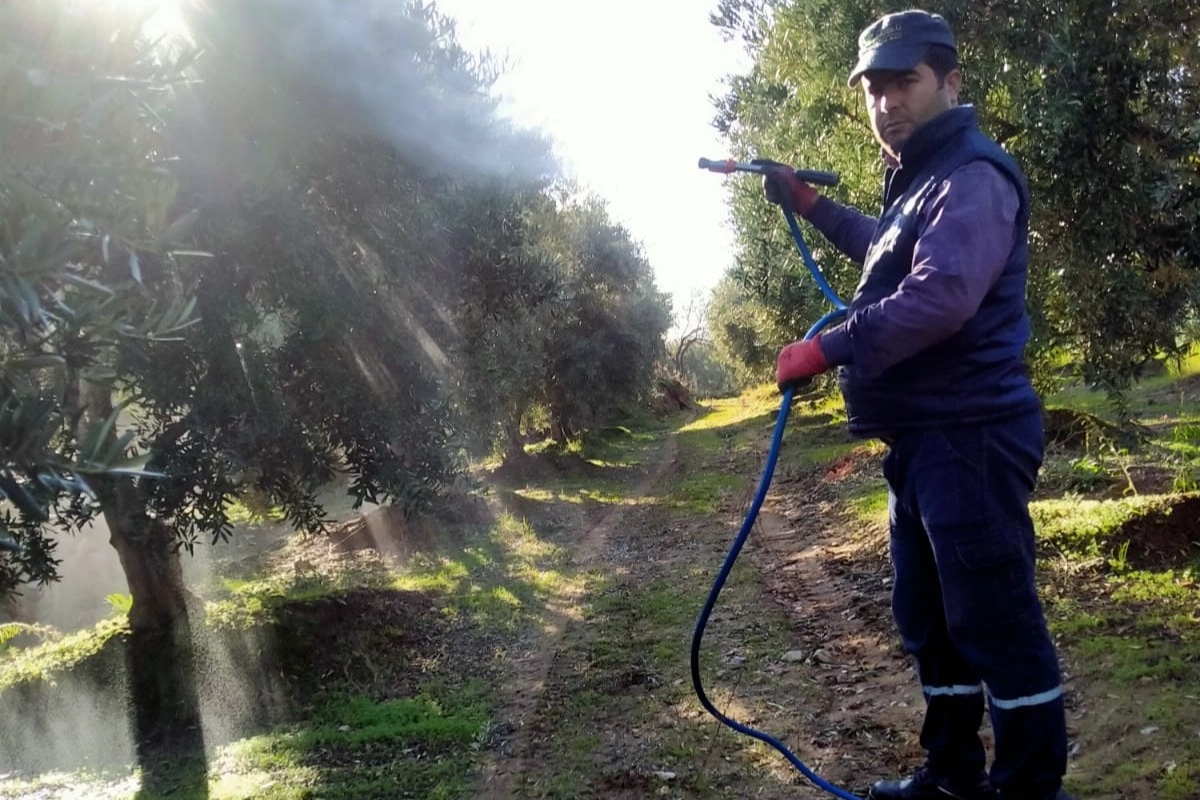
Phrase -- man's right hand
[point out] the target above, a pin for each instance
(781, 186)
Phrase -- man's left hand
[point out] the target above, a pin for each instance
(800, 361)
(780, 182)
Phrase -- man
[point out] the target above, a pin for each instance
(930, 360)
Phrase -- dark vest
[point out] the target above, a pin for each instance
(978, 374)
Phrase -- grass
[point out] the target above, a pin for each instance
(502, 580)
(705, 492)
(349, 747)
(353, 746)
(726, 413)
(574, 492)
(620, 445)
(703, 485)
(359, 739)
(496, 579)
(1131, 635)
(72, 784)
(727, 447)
(868, 501)
(46, 661)
(1147, 397)
(493, 582)
(1084, 528)
(1139, 683)
(258, 599)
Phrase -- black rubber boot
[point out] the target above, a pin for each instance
(923, 785)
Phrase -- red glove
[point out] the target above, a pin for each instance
(800, 361)
(780, 181)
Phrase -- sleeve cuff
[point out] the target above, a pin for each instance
(819, 212)
(835, 346)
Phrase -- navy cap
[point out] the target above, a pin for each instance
(898, 41)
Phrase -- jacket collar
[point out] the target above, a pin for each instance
(924, 144)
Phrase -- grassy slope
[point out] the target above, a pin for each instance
(386, 716)
(1129, 623)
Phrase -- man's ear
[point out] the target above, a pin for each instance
(953, 83)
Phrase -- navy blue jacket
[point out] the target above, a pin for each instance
(977, 372)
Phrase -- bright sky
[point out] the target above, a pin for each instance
(622, 88)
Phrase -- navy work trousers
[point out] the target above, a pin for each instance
(966, 606)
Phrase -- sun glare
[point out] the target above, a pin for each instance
(166, 20)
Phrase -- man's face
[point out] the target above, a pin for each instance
(901, 102)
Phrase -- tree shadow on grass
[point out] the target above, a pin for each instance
(165, 713)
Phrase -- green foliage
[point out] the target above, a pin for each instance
(1082, 473)
(1100, 109)
(310, 359)
(10, 631)
(744, 332)
(706, 374)
(45, 661)
(86, 237)
(510, 294)
(610, 340)
(119, 603)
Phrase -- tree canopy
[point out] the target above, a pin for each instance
(277, 249)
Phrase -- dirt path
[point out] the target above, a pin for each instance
(509, 761)
(827, 571)
(835, 688)
(804, 643)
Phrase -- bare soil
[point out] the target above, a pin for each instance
(1166, 537)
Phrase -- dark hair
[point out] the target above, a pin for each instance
(942, 60)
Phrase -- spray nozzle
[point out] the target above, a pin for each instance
(814, 176)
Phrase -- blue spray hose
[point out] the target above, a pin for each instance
(838, 312)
